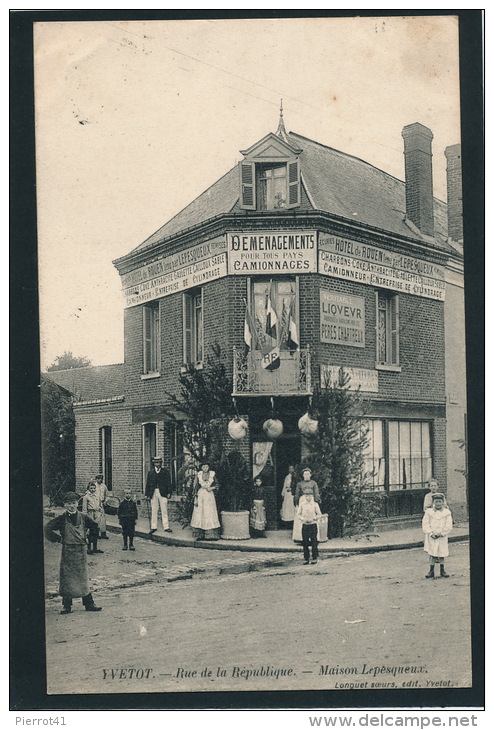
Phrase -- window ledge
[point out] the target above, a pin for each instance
(150, 376)
(196, 366)
(388, 368)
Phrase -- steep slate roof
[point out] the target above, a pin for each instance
(336, 183)
(219, 198)
(351, 188)
(93, 383)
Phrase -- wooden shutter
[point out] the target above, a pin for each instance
(187, 324)
(394, 330)
(293, 184)
(247, 185)
(147, 336)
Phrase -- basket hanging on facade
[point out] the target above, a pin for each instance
(237, 428)
(308, 425)
(273, 428)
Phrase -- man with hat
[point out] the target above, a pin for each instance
(158, 491)
(437, 523)
(71, 527)
(102, 491)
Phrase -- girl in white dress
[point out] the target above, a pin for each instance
(205, 523)
(437, 523)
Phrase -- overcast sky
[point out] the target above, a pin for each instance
(135, 119)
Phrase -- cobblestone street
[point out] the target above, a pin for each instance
(174, 619)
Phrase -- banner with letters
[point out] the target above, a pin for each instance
(170, 274)
(355, 261)
(342, 319)
(272, 252)
(358, 378)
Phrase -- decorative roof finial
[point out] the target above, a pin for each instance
(281, 132)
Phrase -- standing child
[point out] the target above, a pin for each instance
(72, 526)
(258, 511)
(307, 512)
(91, 507)
(102, 492)
(127, 518)
(437, 524)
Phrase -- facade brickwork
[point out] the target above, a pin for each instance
(412, 389)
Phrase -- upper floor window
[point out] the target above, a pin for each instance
(151, 331)
(275, 314)
(193, 327)
(387, 329)
(270, 185)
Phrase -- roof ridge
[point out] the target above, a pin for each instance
(358, 159)
(86, 367)
(345, 154)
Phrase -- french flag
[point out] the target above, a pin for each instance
(271, 316)
(292, 339)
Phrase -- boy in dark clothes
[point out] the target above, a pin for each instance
(127, 517)
(72, 526)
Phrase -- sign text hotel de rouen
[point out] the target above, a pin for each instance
(271, 253)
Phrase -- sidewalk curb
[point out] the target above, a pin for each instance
(239, 547)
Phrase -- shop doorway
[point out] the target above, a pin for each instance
(271, 460)
(287, 452)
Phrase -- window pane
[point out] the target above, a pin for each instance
(405, 457)
(426, 453)
(198, 328)
(394, 456)
(381, 335)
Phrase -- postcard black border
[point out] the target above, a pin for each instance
(27, 636)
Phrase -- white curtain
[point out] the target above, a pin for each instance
(261, 451)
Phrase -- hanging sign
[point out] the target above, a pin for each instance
(342, 320)
(272, 252)
(167, 275)
(355, 261)
(359, 378)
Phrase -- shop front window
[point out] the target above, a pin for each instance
(398, 455)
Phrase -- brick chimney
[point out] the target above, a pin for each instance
(418, 177)
(455, 196)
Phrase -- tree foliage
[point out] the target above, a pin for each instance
(68, 361)
(235, 493)
(337, 459)
(204, 405)
(58, 441)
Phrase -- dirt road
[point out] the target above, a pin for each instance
(359, 622)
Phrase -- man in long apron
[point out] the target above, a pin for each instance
(72, 526)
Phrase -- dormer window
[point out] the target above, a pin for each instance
(270, 175)
(270, 186)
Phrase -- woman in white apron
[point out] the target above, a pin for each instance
(287, 512)
(205, 523)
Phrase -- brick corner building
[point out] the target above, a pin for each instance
(364, 273)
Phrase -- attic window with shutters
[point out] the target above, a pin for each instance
(270, 185)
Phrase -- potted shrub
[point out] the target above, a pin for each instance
(234, 496)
